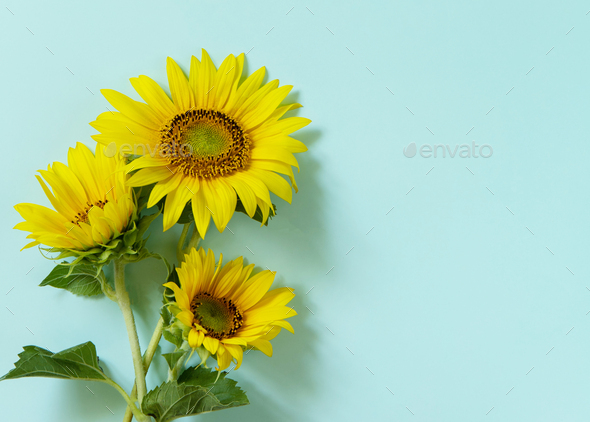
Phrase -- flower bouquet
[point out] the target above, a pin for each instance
(218, 144)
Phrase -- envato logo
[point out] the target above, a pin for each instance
(162, 151)
(463, 150)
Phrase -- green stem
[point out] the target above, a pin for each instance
(147, 360)
(125, 306)
(194, 241)
(106, 287)
(133, 408)
(180, 245)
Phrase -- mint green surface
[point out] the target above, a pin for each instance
(429, 289)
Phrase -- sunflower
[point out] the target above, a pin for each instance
(225, 310)
(92, 204)
(216, 140)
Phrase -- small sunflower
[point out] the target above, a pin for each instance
(216, 140)
(92, 204)
(225, 310)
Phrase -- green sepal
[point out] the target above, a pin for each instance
(142, 195)
(204, 355)
(198, 390)
(173, 329)
(81, 280)
(129, 238)
(172, 358)
(173, 336)
(144, 223)
(78, 362)
(258, 215)
(128, 245)
(187, 214)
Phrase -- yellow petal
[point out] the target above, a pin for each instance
(275, 183)
(263, 345)
(193, 338)
(179, 295)
(207, 74)
(223, 83)
(223, 361)
(138, 112)
(236, 352)
(252, 101)
(201, 213)
(254, 289)
(177, 199)
(186, 317)
(265, 107)
(246, 89)
(179, 88)
(221, 200)
(147, 176)
(246, 194)
(164, 187)
(154, 95)
(269, 153)
(211, 344)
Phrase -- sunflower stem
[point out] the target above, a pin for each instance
(147, 360)
(180, 245)
(194, 241)
(106, 287)
(134, 410)
(125, 306)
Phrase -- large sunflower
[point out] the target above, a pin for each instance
(215, 140)
(92, 204)
(225, 310)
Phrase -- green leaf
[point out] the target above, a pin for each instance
(81, 279)
(198, 390)
(78, 362)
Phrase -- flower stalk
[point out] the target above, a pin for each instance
(147, 360)
(180, 245)
(134, 410)
(125, 306)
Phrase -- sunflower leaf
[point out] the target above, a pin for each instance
(81, 279)
(78, 362)
(198, 390)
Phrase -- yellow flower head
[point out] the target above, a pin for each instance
(92, 205)
(215, 140)
(226, 310)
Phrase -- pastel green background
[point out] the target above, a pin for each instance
(467, 301)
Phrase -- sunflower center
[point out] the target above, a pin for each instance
(204, 143)
(82, 217)
(219, 316)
